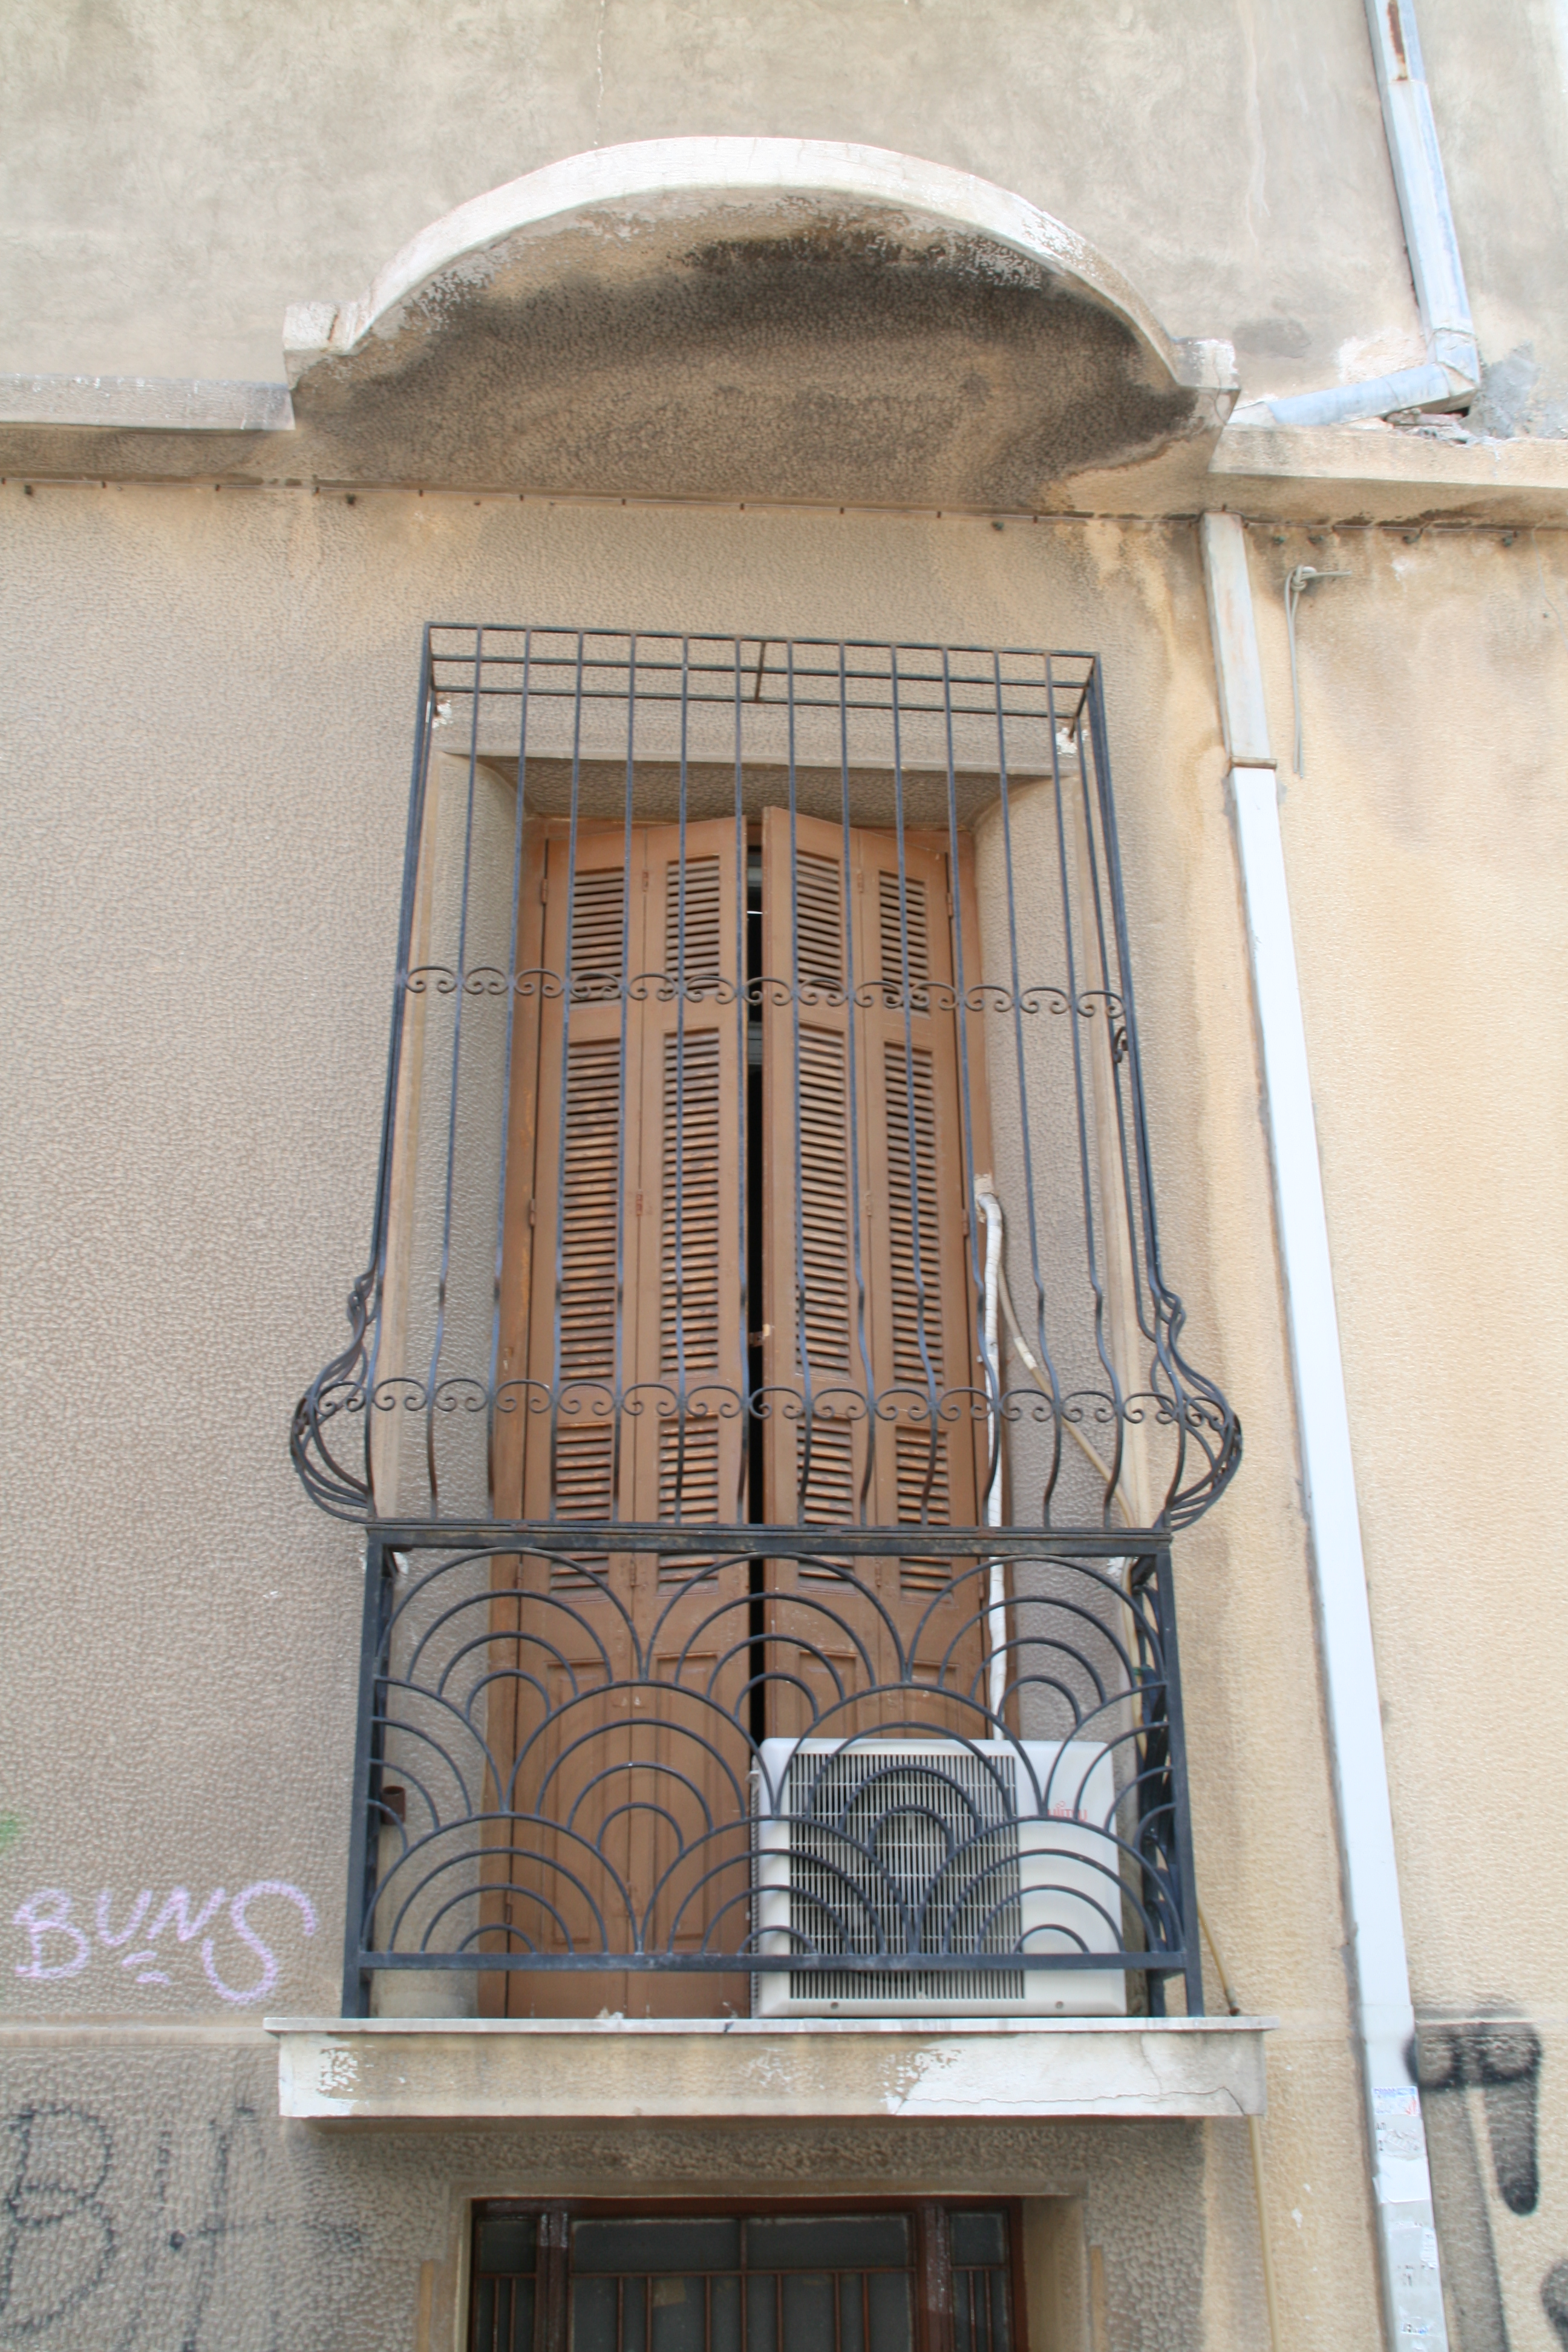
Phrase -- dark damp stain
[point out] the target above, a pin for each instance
(838, 362)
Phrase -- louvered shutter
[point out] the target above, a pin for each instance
(872, 1353)
(624, 1085)
(689, 1359)
(686, 1443)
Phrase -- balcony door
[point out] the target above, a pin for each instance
(735, 1288)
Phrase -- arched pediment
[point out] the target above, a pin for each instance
(766, 319)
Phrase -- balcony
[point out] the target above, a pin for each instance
(764, 1399)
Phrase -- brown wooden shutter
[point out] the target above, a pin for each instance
(872, 1354)
(690, 1345)
(624, 1107)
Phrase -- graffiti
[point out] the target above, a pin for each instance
(56, 2239)
(184, 2252)
(59, 1946)
(1500, 2058)
(1554, 2296)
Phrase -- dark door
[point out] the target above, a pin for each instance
(917, 2278)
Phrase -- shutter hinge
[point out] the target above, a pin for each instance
(532, 1210)
(638, 1210)
(544, 889)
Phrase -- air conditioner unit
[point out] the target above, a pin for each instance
(1007, 1847)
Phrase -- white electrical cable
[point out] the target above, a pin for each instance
(990, 1208)
(1120, 1569)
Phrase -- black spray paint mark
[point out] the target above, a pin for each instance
(1554, 2295)
(1501, 2057)
(1471, 2286)
(56, 2239)
(188, 2250)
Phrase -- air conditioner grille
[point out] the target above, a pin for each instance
(889, 1852)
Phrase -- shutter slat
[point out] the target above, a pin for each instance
(705, 959)
(819, 920)
(890, 948)
(598, 932)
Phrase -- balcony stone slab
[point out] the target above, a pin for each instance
(422, 2070)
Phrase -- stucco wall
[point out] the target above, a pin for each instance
(211, 721)
(173, 176)
(211, 696)
(1499, 95)
(1425, 848)
(164, 2205)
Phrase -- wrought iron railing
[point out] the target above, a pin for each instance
(579, 1780)
(764, 1395)
(544, 760)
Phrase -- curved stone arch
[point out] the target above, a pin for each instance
(647, 170)
(752, 317)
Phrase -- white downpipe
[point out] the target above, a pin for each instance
(1453, 363)
(990, 1208)
(1384, 2019)
(1343, 404)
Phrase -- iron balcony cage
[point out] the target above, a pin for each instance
(765, 1338)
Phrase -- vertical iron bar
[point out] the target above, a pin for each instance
(1181, 1811)
(628, 835)
(680, 1396)
(1020, 1062)
(1111, 969)
(933, 1405)
(1162, 1301)
(851, 1050)
(461, 985)
(976, 1253)
(562, 1098)
(506, 1073)
(1148, 1324)
(803, 1473)
(369, 1731)
(1085, 1174)
(742, 1110)
(417, 797)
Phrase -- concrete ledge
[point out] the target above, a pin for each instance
(451, 2070)
(146, 403)
(1384, 473)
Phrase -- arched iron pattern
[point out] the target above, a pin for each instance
(549, 1782)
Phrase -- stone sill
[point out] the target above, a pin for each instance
(465, 2070)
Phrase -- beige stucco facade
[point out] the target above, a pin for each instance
(211, 669)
